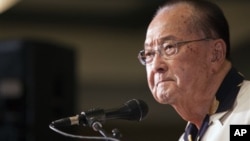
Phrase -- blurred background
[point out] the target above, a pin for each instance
(61, 57)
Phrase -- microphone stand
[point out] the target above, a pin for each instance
(97, 126)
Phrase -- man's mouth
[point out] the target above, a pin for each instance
(163, 81)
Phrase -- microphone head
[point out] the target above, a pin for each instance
(138, 109)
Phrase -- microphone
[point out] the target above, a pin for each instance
(134, 110)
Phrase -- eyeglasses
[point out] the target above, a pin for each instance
(168, 49)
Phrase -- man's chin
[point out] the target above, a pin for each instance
(163, 99)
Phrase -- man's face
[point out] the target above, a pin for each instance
(183, 78)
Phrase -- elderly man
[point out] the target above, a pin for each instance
(187, 59)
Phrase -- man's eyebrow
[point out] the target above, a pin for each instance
(165, 38)
(161, 39)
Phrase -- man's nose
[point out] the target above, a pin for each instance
(159, 64)
(158, 51)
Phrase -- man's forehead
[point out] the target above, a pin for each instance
(182, 6)
(170, 22)
(178, 12)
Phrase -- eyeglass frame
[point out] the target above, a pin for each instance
(160, 48)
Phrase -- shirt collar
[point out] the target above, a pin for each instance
(225, 98)
(228, 90)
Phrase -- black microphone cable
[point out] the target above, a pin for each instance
(81, 136)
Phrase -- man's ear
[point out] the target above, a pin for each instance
(218, 51)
